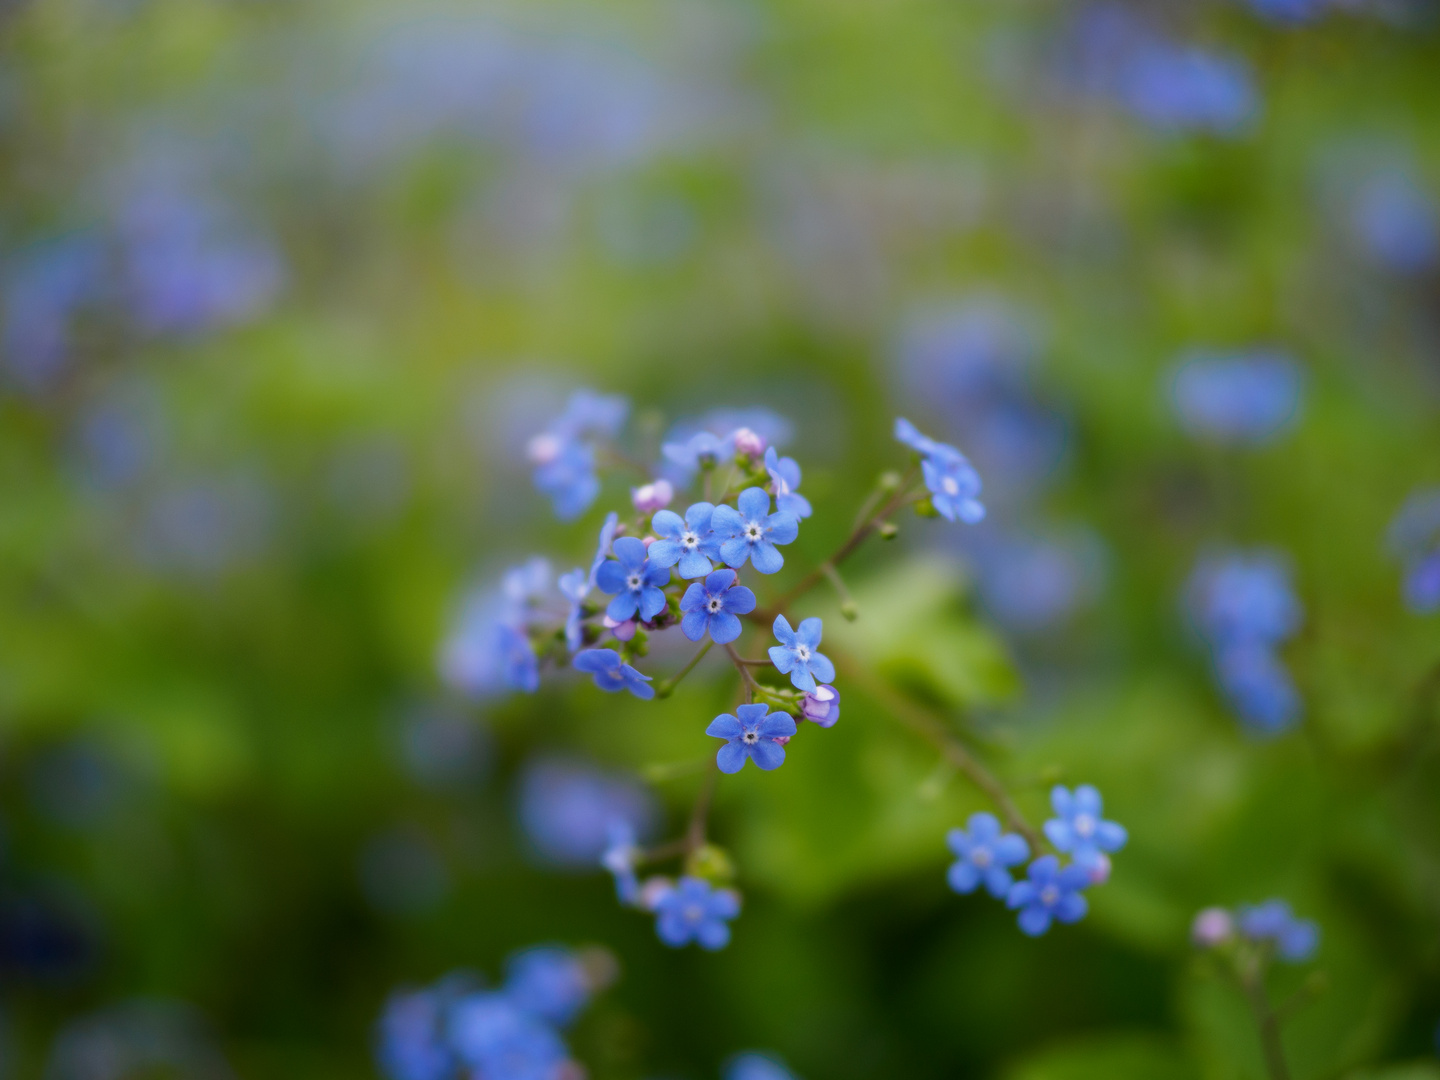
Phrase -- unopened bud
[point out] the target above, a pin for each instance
(1213, 926)
(1099, 870)
(888, 530)
(544, 448)
(821, 705)
(748, 444)
(925, 508)
(623, 631)
(890, 481)
(652, 497)
(850, 610)
(711, 863)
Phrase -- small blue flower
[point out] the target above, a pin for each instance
(713, 605)
(495, 1037)
(754, 1065)
(752, 532)
(910, 435)
(564, 454)
(490, 645)
(569, 810)
(1248, 397)
(1397, 222)
(549, 982)
(612, 674)
(1240, 598)
(695, 911)
(784, 480)
(951, 479)
(688, 543)
(635, 580)
(1414, 539)
(1049, 893)
(753, 735)
(703, 450)
(983, 854)
(411, 1037)
(619, 858)
(1079, 829)
(796, 654)
(1294, 939)
(568, 478)
(1258, 687)
(577, 585)
(1422, 585)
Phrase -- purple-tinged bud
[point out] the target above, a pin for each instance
(1099, 869)
(781, 740)
(653, 890)
(623, 631)
(652, 497)
(1213, 926)
(748, 444)
(544, 448)
(821, 705)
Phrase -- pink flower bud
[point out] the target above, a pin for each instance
(652, 497)
(647, 541)
(543, 449)
(821, 705)
(653, 890)
(748, 444)
(1213, 926)
(1100, 870)
(782, 739)
(623, 631)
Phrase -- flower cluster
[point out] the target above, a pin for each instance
(455, 1028)
(1415, 541)
(681, 572)
(1245, 608)
(1051, 890)
(1236, 397)
(1270, 926)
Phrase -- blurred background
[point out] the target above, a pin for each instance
(287, 286)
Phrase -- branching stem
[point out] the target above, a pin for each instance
(666, 688)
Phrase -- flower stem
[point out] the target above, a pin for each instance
(1253, 982)
(695, 831)
(666, 688)
(744, 673)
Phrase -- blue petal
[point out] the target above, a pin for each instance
(783, 633)
(738, 599)
(971, 512)
(754, 503)
(719, 581)
(958, 841)
(794, 503)
(630, 551)
(765, 557)
(963, 877)
(997, 882)
(1087, 800)
(782, 528)
(1110, 837)
(639, 685)
(698, 516)
(1060, 834)
(724, 628)
(693, 564)
(725, 521)
(782, 658)
(610, 578)
(752, 713)
(694, 598)
(1061, 800)
(694, 625)
(725, 726)
(731, 758)
(593, 660)
(1071, 907)
(713, 934)
(652, 602)
(1044, 869)
(623, 607)
(656, 575)
(809, 632)
(801, 678)
(724, 904)
(1021, 893)
(673, 929)
(768, 755)
(984, 828)
(666, 523)
(777, 723)
(1034, 920)
(1073, 877)
(822, 668)
(734, 551)
(666, 553)
(1010, 850)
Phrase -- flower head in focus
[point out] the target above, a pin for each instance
(797, 654)
(752, 531)
(712, 606)
(752, 735)
(612, 674)
(983, 855)
(634, 580)
(695, 911)
(1049, 892)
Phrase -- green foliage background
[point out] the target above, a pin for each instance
(252, 714)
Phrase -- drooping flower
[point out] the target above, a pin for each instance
(1078, 829)
(1294, 939)
(703, 450)
(634, 580)
(652, 496)
(953, 482)
(983, 854)
(693, 910)
(489, 647)
(688, 543)
(619, 858)
(549, 982)
(753, 735)
(495, 1037)
(712, 606)
(412, 1042)
(1049, 892)
(612, 674)
(564, 454)
(752, 531)
(821, 706)
(797, 654)
(1248, 397)
(785, 482)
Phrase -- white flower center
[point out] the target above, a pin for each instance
(752, 531)
(950, 486)
(1084, 825)
(980, 856)
(689, 540)
(802, 652)
(714, 604)
(751, 738)
(633, 581)
(1049, 896)
(694, 913)
(543, 449)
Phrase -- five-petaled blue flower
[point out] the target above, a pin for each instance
(1294, 939)
(983, 853)
(953, 482)
(703, 450)
(688, 543)
(1049, 893)
(612, 674)
(495, 1037)
(753, 735)
(785, 479)
(713, 606)
(549, 982)
(796, 654)
(1079, 830)
(752, 531)
(695, 911)
(635, 580)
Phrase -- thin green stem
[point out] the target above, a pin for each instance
(744, 673)
(700, 815)
(666, 688)
(1252, 980)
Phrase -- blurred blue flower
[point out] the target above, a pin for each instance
(756, 735)
(1247, 397)
(411, 1037)
(1396, 221)
(619, 858)
(612, 674)
(1294, 939)
(1078, 830)
(45, 289)
(953, 483)
(784, 481)
(549, 982)
(634, 580)
(702, 450)
(564, 453)
(694, 910)
(1414, 539)
(1049, 892)
(711, 439)
(797, 654)
(567, 810)
(754, 1065)
(751, 532)
(1258, 687)
(688, 543)
(712, 607)
(1244, 598)
(497, 1038)
(983, 854)
(489, 647)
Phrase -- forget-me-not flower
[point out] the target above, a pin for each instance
(1258, 687)
(785, 480)
(797, 654)
(696, 911)
(634, 579)
(1414, 539)
(1049, 892)
(953, 482)
(1079, 830)
(549, 982)
(713, 606)
(577, 585)
(752, 532)
(688, 543)
(703, 450)
(613, 674)
(1294, 939)
(490, 645)
(412, 1042)
(619, 859)
(495, 1037)
(566, 473)
(1246, 397)
(821, 706)
(983, 854)
(754, 735)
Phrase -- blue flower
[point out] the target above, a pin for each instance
(1422, 585)
(1414, 539)
(549, 982)
(752, 532)
(577, 585)
(490, 646)
(1294, 939)
(635, 580)
(796, 654)
(688, 543)
(784, 480)
(619, 858)
(952, 480)
(1178, 87)
(1396, 222)
(564, 454)
(753, 1065)
(983, 853)
(753, 735)
(1049, 893)
(569, 810)
(496, 1038)
(612, 674)
(703, 450)
(411, 1042)
(695, 911)
(1257, 687)
(1240, 598)
(1079, 830)
(1248, 397)
(712, 607)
